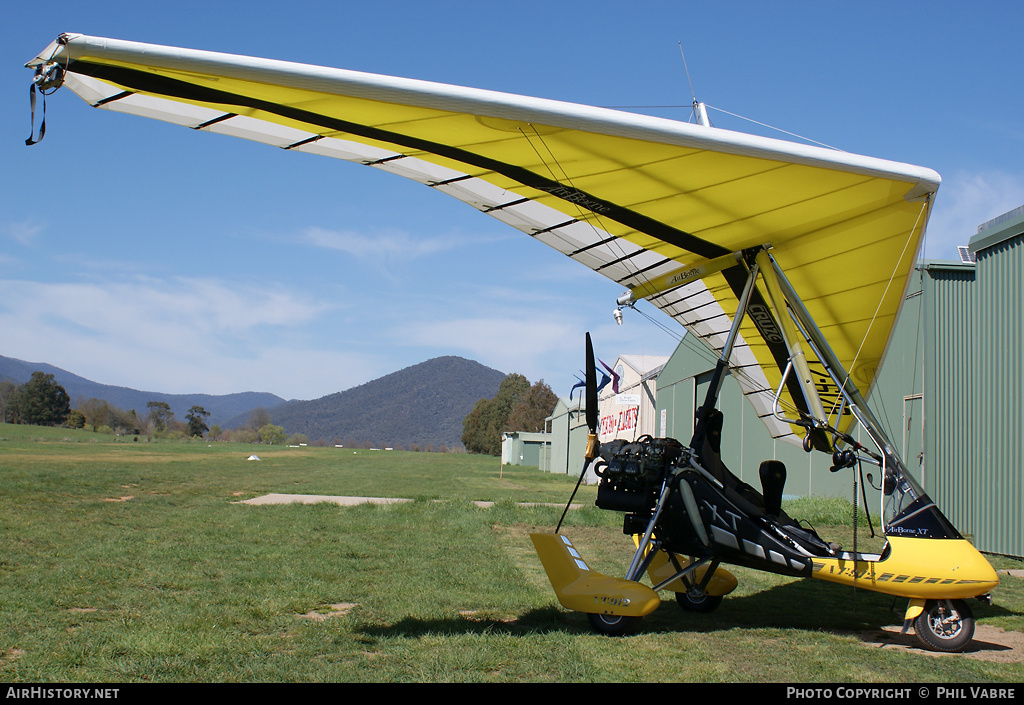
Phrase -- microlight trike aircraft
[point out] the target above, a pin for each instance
(789, 260)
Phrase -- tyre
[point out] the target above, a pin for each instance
(696, 601)
(945, 625)
(612, 624)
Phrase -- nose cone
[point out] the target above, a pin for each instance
(938, 569)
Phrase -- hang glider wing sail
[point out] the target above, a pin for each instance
(644, 201)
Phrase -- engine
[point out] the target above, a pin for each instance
(631, 474)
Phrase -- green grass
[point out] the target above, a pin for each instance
(126, 561)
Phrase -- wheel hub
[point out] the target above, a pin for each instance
(946, 623)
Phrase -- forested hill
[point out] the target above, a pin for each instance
(222, 407)
(422, 405)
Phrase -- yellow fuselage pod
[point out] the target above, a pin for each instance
(661, 568)
(917, 568)
(581, 589)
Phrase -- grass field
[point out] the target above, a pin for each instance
(127, 562)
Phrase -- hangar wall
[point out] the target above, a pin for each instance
(952, 384)
(996, 411)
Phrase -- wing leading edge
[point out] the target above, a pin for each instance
(632, 197)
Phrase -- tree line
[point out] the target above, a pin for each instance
(517, 406)
(43, 402)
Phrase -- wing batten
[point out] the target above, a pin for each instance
(303, 142)
(214, 121)
(563, 225)
(111, 99)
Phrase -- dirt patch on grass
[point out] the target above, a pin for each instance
(989, 644)
(11, 654)
(338, 609)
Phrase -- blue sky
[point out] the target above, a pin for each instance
(141, 254)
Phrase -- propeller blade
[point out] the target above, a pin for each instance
(591, 388)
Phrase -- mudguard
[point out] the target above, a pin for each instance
(661, 568)
(581, 589)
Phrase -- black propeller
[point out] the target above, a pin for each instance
(593, 447)
(591, 392)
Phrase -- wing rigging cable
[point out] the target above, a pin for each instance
(636, 198)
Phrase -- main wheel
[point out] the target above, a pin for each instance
(945, 625)
(696, 601)
(612, 624)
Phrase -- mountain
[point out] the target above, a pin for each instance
(221, 407)
(422, 404)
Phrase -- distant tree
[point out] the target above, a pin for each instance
(297, 439)
(99, 413)
(76, 419)
(473, 433)
(197, 421)
(159, 414)
(483, 426)
(243, 434)
(258, 418)
(93, 410)
(42, 402)
(176, 429)
(271, 434)
(533, 409)
(7, 399)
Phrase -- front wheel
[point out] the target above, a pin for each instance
(697, 601)
(612, 624)
(945, 625)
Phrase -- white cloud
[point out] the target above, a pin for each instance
(24, 232)
(965, 201)
(176, 335)
(388, 245)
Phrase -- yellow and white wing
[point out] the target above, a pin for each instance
(633, 197)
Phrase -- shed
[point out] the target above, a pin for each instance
(567, 433)
(523, 448)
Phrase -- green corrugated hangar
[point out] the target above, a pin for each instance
(950, 390)
(952, 384)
